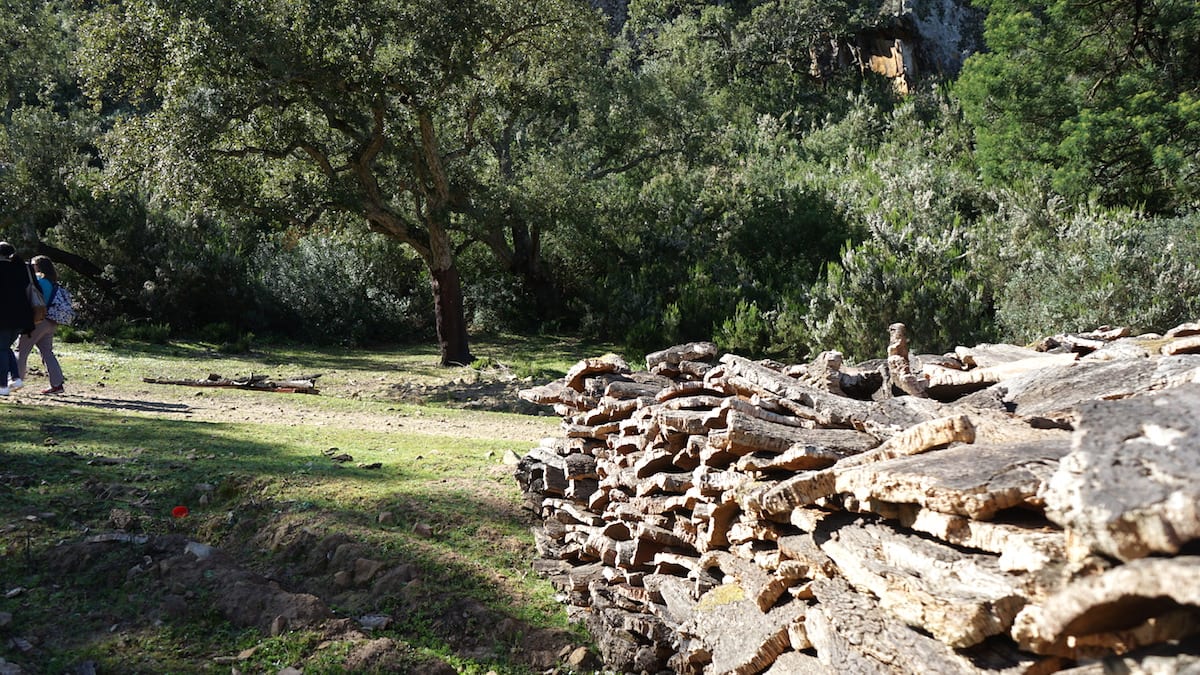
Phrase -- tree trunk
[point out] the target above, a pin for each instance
(522, 257)
(527, 262)
(451, 319)
(448, 303)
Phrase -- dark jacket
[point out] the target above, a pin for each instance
(15, 310)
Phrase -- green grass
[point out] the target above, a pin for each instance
(118, 454)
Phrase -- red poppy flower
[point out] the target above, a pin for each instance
(179, 511)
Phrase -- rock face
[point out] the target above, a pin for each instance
(948, 31)
(910, 39)
(995, 510)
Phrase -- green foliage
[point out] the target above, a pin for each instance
(924, 280)
(195, 271)
(151, 263)
(116, 330)
(483, 363)
(718, 214)
(1097, 99)
(339, 288)
(37, 48)
(1105, 267)
(920, 259)
(747, 332)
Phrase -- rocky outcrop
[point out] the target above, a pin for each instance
(1000, 509)
(907, 39)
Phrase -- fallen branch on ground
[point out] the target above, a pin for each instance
(304, 384)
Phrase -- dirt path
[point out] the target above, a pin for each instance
(473, 410)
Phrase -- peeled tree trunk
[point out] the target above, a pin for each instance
(448, 302)
(437, 252)
(431, 240)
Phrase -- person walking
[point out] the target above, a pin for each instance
(16, 313)
(42, 336)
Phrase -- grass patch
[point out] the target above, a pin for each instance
(294, 488)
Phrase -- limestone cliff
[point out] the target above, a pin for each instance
(908, 40)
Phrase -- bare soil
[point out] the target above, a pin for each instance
(215, 404)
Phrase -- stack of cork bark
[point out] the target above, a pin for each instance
(1000, 509)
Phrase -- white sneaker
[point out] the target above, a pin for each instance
(3, 391)
(16, 384)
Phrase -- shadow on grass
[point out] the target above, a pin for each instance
(469, 593)
(93, 443)
(130, 405)
(472, 560)
(309, 359)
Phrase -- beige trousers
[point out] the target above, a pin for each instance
(42, 337)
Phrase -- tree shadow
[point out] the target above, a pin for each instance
(130, 405)
(73, 472)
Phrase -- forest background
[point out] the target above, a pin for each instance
(384, 171)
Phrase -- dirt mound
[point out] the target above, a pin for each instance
(495, 395)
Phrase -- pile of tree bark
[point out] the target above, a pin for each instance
(1001, 509)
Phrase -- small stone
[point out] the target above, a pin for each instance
(386, 518)
(279, 626)
(375, 621)
(25, 646)
(246, 654)
(423, 530)
(343, 579)
(365, 570)
(582, 659)
(201, 551)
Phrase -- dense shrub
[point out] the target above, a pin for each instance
(182, 270)
(902, 175)
(748, 332)
(193, 272)
(345, 288)
(1105, 268)
(924, 279)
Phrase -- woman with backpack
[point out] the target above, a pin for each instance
(16, 312)
(42, 335)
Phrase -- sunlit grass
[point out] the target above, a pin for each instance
(438, 498)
